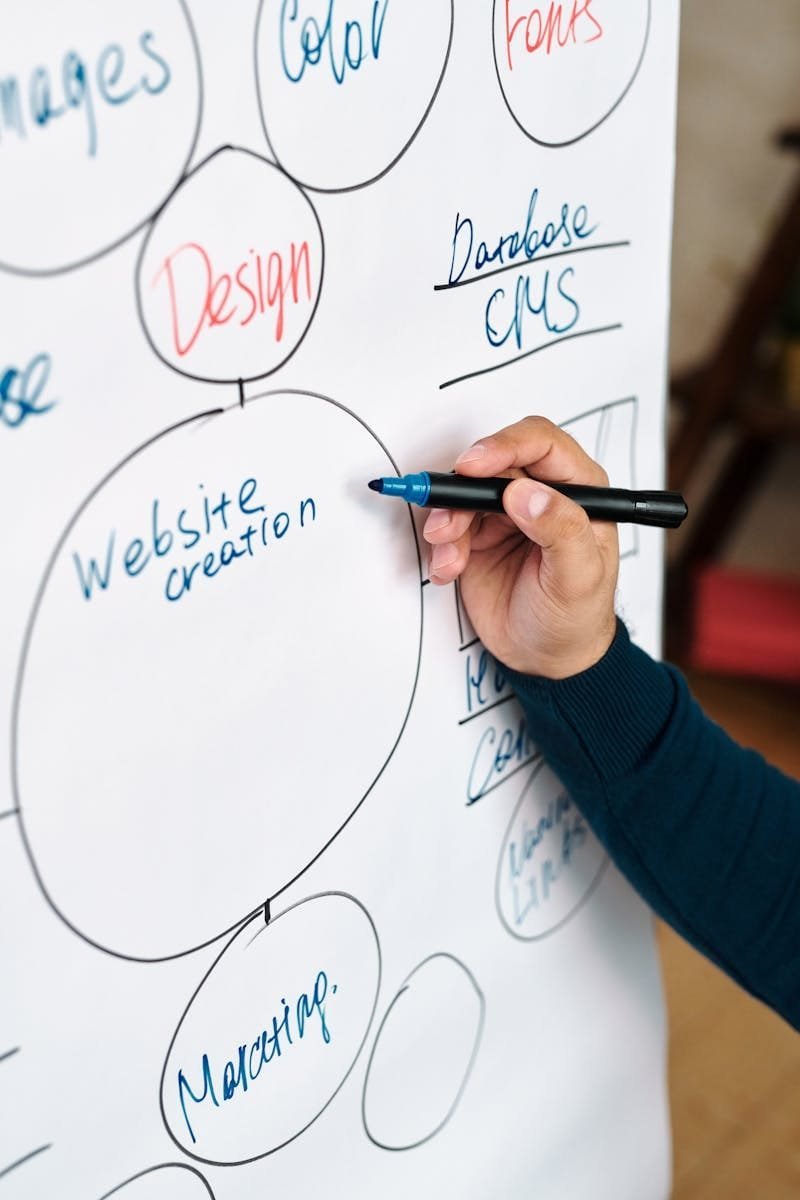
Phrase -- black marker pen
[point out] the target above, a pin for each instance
(432, 489)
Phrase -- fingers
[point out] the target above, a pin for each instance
(572, 563)
(446, 525)
(448, 559)
(537, 446)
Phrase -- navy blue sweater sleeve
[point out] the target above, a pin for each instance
(707, 832)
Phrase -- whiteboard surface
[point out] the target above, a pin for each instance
(290, 902)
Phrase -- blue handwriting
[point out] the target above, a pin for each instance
(21, 392)
(250, 527)
(353, 49)
(486, 682)
(244, 1066)
(540, 873)
(500, 751)
(561, 234)
(75, 86)
(534, 296)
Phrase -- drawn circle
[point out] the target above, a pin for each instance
(98, 126)
(299, 995)
(344, 91)
(189, 738)
(423, 1054)
(550, 861)
(230, 273)
(170, 1181)
(564, 68)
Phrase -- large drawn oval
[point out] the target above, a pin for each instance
(171, 1181)
(273, 1031)
(219, 665)
(564, 68)
(97, 128)
(345, 87)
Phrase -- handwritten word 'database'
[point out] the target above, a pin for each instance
(244, 1067)
(246, 522)
(550, 27)
(21, 392)
(341, 43)
(556, 233)
(76, 86)
(202, 298)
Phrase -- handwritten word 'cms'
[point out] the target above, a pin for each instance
(551, 27)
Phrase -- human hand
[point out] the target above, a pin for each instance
(538, 583)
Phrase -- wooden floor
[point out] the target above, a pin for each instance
(734, 1065)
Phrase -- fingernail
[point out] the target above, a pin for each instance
(443, 556)
(437, 519)
(472, 455)
(528, 500)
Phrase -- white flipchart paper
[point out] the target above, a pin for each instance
(289, 902)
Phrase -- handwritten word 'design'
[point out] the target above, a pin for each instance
(202, 298)
(230, 274)
(550, 28)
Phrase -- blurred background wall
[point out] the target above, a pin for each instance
(733, 596)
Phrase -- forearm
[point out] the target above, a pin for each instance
(707, 832)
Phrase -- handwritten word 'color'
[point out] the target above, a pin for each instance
(346, 44)
(202, 298)
(552, 27)
(112, 77)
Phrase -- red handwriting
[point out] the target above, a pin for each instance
(552, 26)
(200, 298)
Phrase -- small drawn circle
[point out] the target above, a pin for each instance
(423, 1055)
(564, 68)
(168, 1181)
(550, 861)
(220, 663)
(230, 274)
(100, 112)
(344, 88)
(265, 1044)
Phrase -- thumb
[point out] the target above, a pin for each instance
(563, 532)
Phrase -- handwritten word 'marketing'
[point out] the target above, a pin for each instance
(244, 1067)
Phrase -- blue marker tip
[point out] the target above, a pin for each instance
(415, 489)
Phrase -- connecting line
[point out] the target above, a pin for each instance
(25, 1158)
(529, 262)
(568, 337)
(9, 1053)
(486, 708)
(10, 812)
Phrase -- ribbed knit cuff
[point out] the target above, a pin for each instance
(611, 715)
